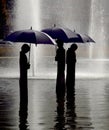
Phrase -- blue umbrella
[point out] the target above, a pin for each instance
(30, 36)
(82, 38)
(67, 35)
(63, 34)
(86, 38)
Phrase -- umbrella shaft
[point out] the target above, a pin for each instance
(29, 53)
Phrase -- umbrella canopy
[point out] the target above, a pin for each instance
(87, 38)
(30, 36)
(67, 35)
(63, 34)
(82, 38)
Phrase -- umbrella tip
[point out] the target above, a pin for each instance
(54, 25)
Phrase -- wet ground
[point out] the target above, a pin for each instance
(88, 111)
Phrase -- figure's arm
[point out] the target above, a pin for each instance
(56, 57)
(28, 65)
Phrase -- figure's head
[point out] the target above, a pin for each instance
(74, 47)
(59, 43)
(25, 48)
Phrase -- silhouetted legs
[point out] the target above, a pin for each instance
(23, 110)
(60, 86)
(70, 81)
(23, 90)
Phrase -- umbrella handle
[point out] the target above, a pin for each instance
(29, 54)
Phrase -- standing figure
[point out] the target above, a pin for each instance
(24, 66)
(60, 58)
(71, 62)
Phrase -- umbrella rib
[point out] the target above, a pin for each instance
(35, 35)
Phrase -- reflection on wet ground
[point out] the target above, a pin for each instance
(89, 109)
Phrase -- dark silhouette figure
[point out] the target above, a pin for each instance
(24, 66)
(60, 82)
(71, 62)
